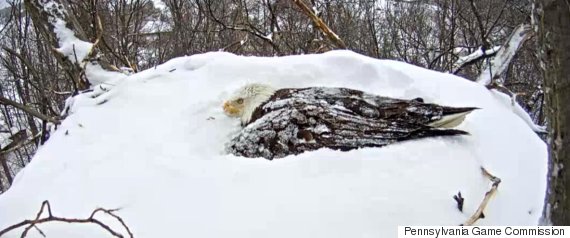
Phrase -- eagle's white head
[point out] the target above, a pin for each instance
(245, 100)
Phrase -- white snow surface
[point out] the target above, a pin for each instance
(72, 47)
(159, 4)
(153, 145)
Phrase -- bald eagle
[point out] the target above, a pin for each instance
(281, 122)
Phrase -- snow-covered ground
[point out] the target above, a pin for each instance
(153, 145)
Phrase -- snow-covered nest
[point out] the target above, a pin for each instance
(153, 145)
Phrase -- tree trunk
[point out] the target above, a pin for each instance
(4, 163)
(1, 185)
(554, 29)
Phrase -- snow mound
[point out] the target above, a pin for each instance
(153, 145)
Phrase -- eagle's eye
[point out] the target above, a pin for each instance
(239, 100)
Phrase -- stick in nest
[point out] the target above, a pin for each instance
(29, 224)
(488, 195)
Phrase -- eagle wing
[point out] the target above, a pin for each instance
(296, 120)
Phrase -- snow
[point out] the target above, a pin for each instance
(152, 144)
(97, 75)
(504, 56)
(73, 48)
(518, 110)
(268, 37)
(70, 46)
(473, 56)
(159, 4)
(156, 26)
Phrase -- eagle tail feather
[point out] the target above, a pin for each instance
(434, 132)
(446, 132)
(452, 117)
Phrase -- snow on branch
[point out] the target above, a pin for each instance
(491, 73)
(473, 57)
(64, 40)
(49, 18)
(504, 94)
(69, 43)
(320, 24)
(517, 109)
(504, 56)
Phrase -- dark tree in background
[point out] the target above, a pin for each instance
(554, 30)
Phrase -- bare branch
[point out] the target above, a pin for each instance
(17, 146)
(480, 23)
(28, 110)
(321, 25)
(249, 29)
(29, 224)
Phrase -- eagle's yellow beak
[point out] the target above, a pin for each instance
(231, 110)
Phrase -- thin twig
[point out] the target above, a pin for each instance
(249, 29)
(475, 11)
